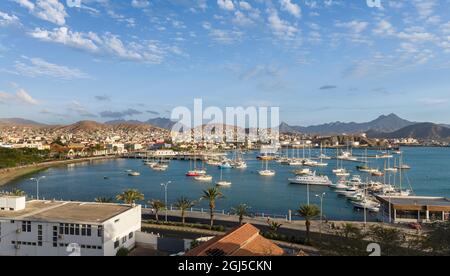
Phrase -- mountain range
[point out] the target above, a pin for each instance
(384, 123)
(385, 126)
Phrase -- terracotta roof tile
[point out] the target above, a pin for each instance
(243, 241)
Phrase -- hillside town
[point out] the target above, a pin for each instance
(90, 138)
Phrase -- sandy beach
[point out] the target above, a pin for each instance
(10, 174)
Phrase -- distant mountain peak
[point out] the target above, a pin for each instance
(384, 123)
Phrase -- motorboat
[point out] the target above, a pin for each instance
(160, 167)
(303, 172)
(267, 173)
(132, 173)
(204, 178)
(312, 179)
(223, 183)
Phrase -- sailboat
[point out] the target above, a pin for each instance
(267, 172)
(321, 163)
(223, 183)
(340, 171)
(195, 172)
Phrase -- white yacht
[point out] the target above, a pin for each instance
(303, 172)
(204, 178)
(312, 179)
(134, 173)
(267, 173)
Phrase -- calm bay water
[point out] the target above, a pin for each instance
(430, 176)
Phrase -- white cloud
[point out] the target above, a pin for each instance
(290, 7)
(36, 67)
(280, 27)
(24, 97)
(354, 26)
(245, 5)
(21, 97)
(241, 19)
(221, 35)
(7, 20)
(226, 4)
(140, 4)
(49, 10)
(67, 37)
(141, 51)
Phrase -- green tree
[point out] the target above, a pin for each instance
(130, 196)
(350, 230)
(212, 195)
(273, 225)
(104, 200)
(122, 252)
(158, 206)
(308, 212)
(241, 210)
(438, 239)
(390, 239)
(184, 204)
(17, 192)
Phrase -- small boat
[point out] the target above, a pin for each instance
(265, 157)
(392, 170)
(134, 173)
(324, 157)
(310, 163)
(160, 167)
(195, 173)
(303, 172)
(225, 165)
(267, 173)
(105, 177)
(295, 162)
(403, 167)
(312, 179)
(240, 165)
(223, 183)
(204, 178)
(377, 173)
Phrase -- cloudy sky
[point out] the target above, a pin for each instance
(318, 60)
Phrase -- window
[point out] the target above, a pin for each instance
(116, 244)
(89, 230)
(130, 236)
(124, 239)
(100, 231)
(26, 226)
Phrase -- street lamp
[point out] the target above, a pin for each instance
(322, 196)
(166, 186)
(37, 185)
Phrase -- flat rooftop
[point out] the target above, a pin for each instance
(66, 212)
(420, 201)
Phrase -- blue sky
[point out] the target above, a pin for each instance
(318, 60)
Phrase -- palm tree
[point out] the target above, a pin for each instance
(242, 211)
(130, 196)
(212, 195)
(273, 225)
(158, 206)
(104, 200)
(184, 204)
(350, 230)
(17, 192)
(308, 212)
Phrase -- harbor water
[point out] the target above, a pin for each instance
(429, 176)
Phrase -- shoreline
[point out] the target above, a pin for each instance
(10, 174)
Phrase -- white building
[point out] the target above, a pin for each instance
(55, 228)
